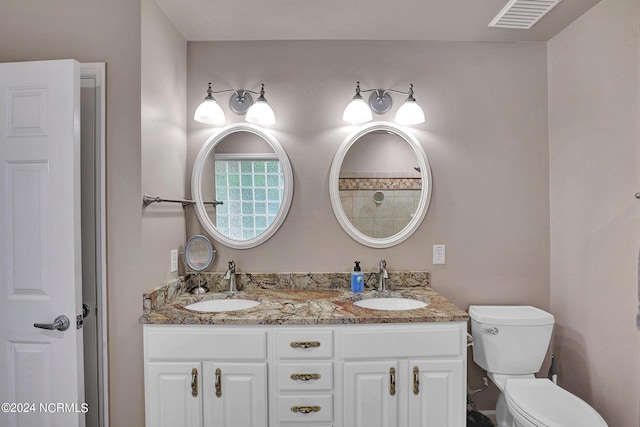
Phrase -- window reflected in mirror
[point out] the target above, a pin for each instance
(245, 174)
(251, 191)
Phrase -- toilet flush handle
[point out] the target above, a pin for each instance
(492, 331)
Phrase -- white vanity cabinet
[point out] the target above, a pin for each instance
(386, 375)
(203, 376)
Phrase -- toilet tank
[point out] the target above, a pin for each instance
(510, 339)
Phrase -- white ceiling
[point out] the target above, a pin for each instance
(459, 20)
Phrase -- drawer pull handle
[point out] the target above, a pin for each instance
(305, 377)
(416, 380)
(218, 383)
(305, 344)
(392, 381)
(194, 382)
(305, 409)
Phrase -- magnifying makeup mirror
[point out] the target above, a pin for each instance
(198, 256)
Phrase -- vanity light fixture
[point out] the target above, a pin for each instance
(358, 111)
(241, 102)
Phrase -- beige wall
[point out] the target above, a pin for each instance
(107, 31)
(594, 127)
(164, 141)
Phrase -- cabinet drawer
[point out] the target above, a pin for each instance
(305, 408)
(181, 344)
(305, 376)
(434, 341)
(305, 344)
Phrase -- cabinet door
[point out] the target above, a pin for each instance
(370, 394)
(172, 393)
(235, 394)
(437, 396)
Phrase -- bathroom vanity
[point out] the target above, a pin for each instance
(304, 357)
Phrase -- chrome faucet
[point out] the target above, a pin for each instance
(231, 276)
(382, 276)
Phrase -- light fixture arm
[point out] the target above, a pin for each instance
(385, 91)
(236, 91)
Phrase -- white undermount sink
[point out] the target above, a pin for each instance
(219, 305)
(390, 303)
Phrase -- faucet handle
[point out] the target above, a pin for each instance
(232, 265)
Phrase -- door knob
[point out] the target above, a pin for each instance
(61, 323)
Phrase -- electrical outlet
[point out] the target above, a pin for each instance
(174, 260)
(438, 254)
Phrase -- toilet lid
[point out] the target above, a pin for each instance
(543, 403)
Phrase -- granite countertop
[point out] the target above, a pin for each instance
(298, 299)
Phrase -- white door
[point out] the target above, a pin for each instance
(371, 394)
(235, 394)
(40, 260)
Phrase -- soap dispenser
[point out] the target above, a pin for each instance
(357, 278)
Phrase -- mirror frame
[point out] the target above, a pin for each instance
(196, 185)
(425, 195)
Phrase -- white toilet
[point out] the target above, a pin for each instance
(510, 343)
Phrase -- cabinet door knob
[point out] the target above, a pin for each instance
(194, 382)
(392, 381)
(416, 380)
(218, 383)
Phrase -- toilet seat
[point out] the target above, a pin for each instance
(541, 403)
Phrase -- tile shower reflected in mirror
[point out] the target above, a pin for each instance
(379, 184)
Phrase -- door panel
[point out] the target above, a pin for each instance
(236, 394)
(440, 387)
(173, 394)
(40, 267)
(368, 398)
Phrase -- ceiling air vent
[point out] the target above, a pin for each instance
(522, 14)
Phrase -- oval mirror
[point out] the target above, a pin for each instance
(245, 168)
(380, 184)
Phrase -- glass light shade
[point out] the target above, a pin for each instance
(209, 112)
(357, 112)
(260, 113)
(410, 113)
